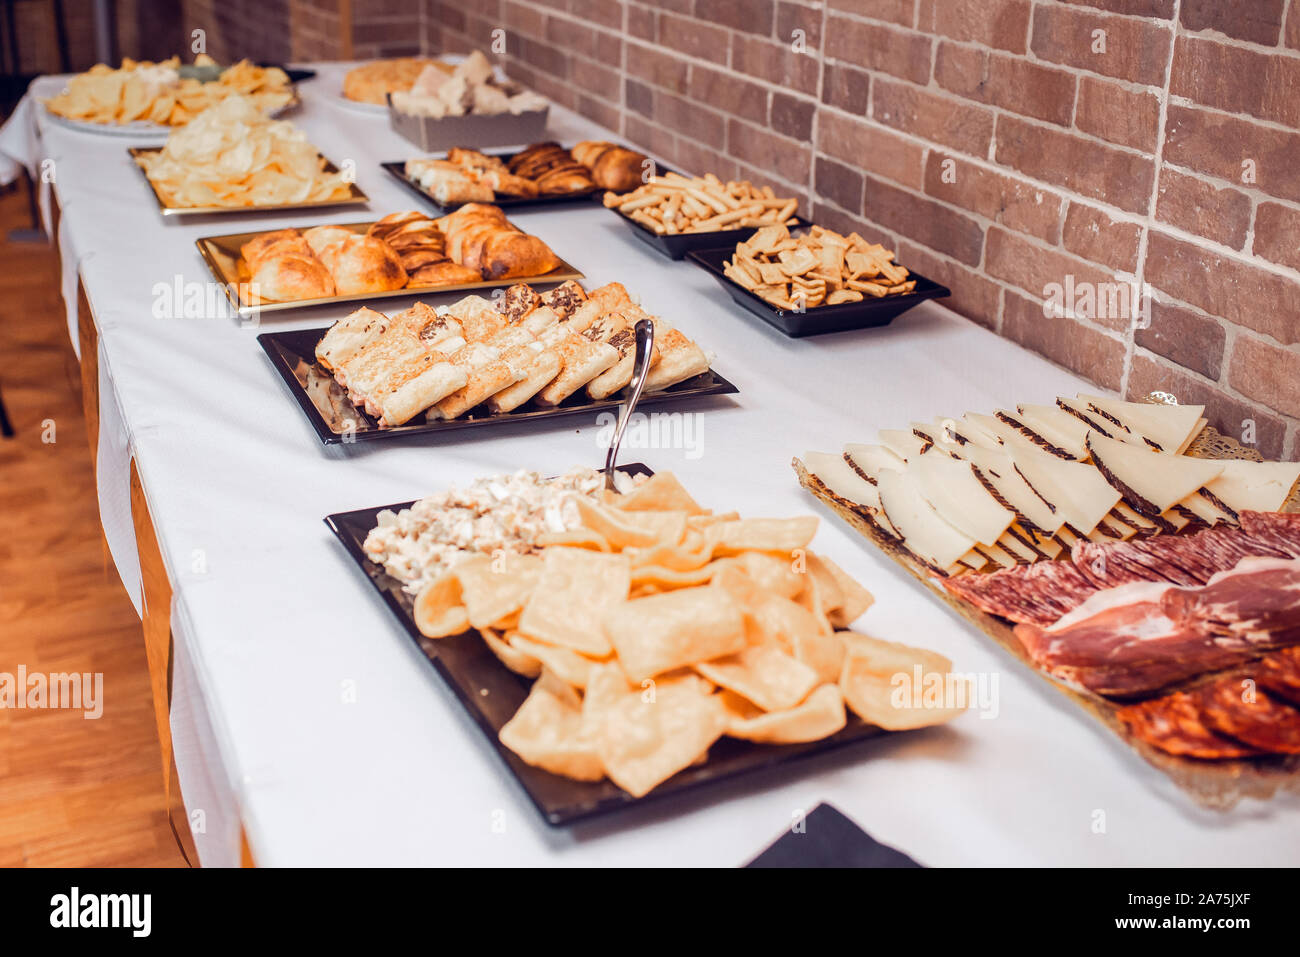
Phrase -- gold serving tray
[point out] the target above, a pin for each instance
(221, 253)
(1213, 784)
(355, 196)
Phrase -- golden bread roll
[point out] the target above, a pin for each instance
(291, 277)
(364, 264)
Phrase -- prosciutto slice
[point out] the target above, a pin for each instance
(1143, 637)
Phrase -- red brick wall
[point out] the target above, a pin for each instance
(998, 146)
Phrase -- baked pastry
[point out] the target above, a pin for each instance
(371, 82)
(448, 183)
(422, 249)
(612, 167)
(362, 264)
(321, 238)
(480, 237)
(255, 250)
(552, 168)
(524, 346)
(291, 277)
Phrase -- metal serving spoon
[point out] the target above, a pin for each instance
(645, 340)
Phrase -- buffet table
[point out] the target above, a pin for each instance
(303, 714)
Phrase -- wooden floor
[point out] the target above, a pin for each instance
(73, 792)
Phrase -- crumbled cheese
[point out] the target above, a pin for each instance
(501, 513)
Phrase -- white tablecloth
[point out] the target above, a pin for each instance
(272, 621)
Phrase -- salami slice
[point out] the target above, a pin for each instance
(1279, 674)
(1236, 707)
(1174, 725)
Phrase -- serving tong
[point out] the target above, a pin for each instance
(645, 340)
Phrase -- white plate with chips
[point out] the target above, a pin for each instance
(136, 129)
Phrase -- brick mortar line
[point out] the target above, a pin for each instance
(1218, 182)
(1254, 46)
(1274, 125)
(816, 118)
(1144, 240)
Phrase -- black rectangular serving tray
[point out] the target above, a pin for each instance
(491, 693)
(818, 320)
(398, 171)
(336, 420)
(682, 244)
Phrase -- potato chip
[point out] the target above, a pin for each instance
(824, 654)
(575, 590)
(438, 610)
(897, 687)
(569, 666)
(577, 538)
(763, 674)
(661, 492)
(666, 578)
(546, 732)
(854, 600)
(694, 551)
(231, 155)
(762, 534)
(662, 632)
(493, 588)
(772, 572)
(516, 659)
(639, 529)
(819, 716)
(645, 737)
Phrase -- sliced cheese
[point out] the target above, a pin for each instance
(1211, 514)
(870, 459)
(998, 469)
(1023, 553)
(1110, 530)
(960, 498)
(902, 442)
(1200, 424)
(1050, 547)
(1257, 486)
(1057, 426)
(838, 476)
(1080, 493)
(1089, 417)
(998, 555)
(1126, 514)
(1150, 481)
(925, 534)
(1175, 518)
(971, 427)
(1169, 427)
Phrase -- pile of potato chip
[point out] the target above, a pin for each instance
(156, 93)
(672, 204)
(233, 155)
(818, 268)
(657, 627)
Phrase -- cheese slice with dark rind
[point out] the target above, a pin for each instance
(924, 532)
(960, 498)
(1151, 482)
(1169, 427)
(840, 479)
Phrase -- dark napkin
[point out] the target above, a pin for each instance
(829, 839)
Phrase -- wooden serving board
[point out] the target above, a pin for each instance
(1213, 784)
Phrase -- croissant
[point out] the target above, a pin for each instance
(481, 238)
(612, 167)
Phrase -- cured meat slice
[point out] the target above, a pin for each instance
(1277, 529)
(1235, 707)
(1039, 593)
(1257, 603)
(1123, 641)
(1279, 674)
(1174, 725)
